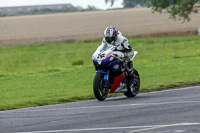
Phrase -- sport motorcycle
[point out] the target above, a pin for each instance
(112, 75)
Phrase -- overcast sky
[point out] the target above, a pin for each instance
(84, 3)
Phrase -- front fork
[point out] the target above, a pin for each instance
(105, 77)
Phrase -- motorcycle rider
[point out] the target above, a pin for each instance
(114, 37)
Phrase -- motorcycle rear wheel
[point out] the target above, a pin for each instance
(133, 85)
(99, 89)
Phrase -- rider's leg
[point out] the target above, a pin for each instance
(129, 67)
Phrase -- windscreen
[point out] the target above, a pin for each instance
(104, 47)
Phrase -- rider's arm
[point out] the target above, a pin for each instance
(103, 40)
(126, 45)
(127, 48)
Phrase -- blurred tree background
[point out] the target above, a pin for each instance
(50, 10)
(178, 9)
(128, 3)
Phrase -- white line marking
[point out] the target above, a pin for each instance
(111, 128)
(109, 106)
(122, 105)
(152, 128)
(177, 89)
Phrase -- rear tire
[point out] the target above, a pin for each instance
(133, 84)
(99, 89)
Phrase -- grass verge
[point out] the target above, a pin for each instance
(36, 75)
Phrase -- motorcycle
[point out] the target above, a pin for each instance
(111, 73)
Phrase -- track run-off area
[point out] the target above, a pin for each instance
(169, 111)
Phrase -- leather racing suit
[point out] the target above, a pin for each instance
(122, 45)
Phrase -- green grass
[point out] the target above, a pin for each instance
(42, 74)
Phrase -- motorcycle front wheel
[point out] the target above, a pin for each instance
(99, 88)
(133, 84)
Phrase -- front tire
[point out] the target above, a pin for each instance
(133, 84)
(99, 89)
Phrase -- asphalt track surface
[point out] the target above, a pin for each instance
(171, 111)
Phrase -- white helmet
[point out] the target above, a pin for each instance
(110, 34)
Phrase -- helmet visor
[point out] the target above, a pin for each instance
(110, 39)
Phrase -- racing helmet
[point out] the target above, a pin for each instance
(110, 34)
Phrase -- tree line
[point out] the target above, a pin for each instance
(178, 9)
(129, 3)
(49, 10)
